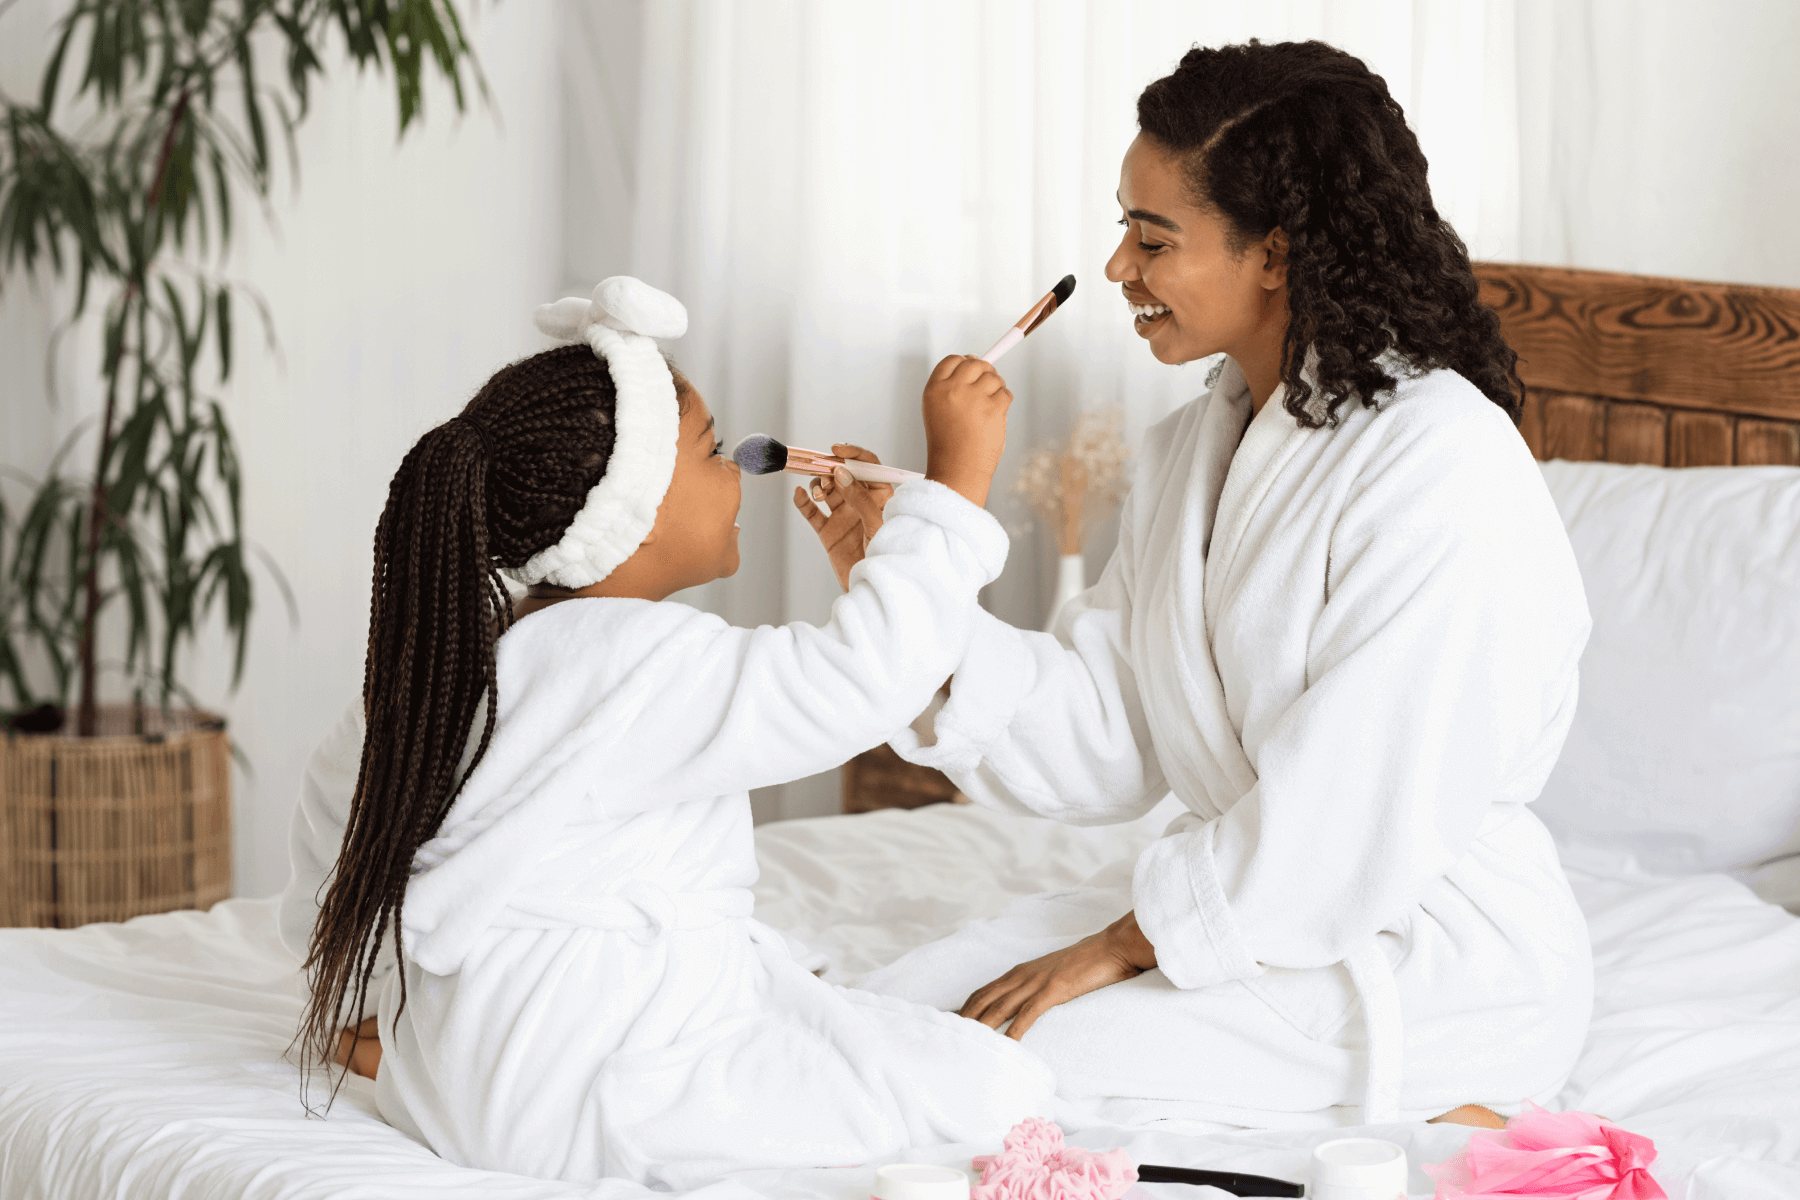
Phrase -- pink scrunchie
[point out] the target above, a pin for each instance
(1037, 1166)
(1540, 1153)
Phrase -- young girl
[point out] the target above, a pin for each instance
(548, 818)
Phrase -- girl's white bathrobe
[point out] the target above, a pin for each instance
(587, 993)
(1351, 653)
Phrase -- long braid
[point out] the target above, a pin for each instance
(486, 490)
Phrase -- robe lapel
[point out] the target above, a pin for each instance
(1197, 712)
(1268, 444)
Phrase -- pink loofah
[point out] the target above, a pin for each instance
(1541, 1153)
(1037, 1166)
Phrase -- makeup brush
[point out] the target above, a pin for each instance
(760, 454)
(1033, 318)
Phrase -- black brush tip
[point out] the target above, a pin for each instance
(760, 454)
(1063, 290)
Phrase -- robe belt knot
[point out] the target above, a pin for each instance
(646, 910)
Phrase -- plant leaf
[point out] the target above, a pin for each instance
(222, 302)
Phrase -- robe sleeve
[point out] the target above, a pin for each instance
(1049, 723)
(753, 707)
(1440, 681)
(316, 834)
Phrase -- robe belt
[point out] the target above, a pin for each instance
(1373, 977)
(645, 910)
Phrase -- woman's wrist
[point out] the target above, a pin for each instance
(1129, 943)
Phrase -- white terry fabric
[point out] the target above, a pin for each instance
(1351, 654)
(1692, 676)
(587, 994)
(618, 322)
(144, 1060)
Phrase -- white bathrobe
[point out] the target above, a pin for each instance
(587, 993)
(1351, 653)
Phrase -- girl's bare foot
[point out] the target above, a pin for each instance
(360, 1049)
(1468, 1114)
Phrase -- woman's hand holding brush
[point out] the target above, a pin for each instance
(965, 407)
(844, 513)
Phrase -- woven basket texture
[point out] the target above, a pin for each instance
(136, 820)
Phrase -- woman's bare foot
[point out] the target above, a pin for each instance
(1468, 1114)
(360, 1049)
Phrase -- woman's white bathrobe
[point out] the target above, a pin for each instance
(1351, 653)
(587, 994)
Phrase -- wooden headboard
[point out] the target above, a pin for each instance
(1634, 369)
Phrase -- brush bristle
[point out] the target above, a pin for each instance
(1063, 290)
(760, 454)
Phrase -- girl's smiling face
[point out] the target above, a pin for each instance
(1192, 292)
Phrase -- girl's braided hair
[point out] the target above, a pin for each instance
(1303, 137)
(487, 489)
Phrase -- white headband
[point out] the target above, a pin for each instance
(619, 321)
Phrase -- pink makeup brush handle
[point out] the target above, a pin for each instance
(877, 473)
(811, 462)
(1013, 337)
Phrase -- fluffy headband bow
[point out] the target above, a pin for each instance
(620, 321)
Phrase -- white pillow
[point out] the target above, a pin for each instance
(1685, 750)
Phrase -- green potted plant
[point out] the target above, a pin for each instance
(123, 181)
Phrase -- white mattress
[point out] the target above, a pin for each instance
(144, 1060)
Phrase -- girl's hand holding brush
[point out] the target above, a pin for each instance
(845, 513)
(965, 407)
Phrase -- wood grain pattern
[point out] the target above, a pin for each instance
(1699, 439)
(1635, 369)
(1767, 444)
(1662, 341)
(1574, 427)
(1637, 433)
(1531, 422)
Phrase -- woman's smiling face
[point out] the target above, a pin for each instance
(1191, 294)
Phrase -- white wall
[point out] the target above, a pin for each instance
(399, 277)
(1660, 137)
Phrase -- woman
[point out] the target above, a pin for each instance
(1341, 626)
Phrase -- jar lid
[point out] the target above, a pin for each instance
(920, 1181)
(1361, 1163)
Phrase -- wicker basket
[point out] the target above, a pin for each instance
(136, 820)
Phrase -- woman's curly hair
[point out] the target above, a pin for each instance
(1303, 137)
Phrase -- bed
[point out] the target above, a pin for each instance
(145, 1059)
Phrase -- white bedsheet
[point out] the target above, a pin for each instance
(143, 1060)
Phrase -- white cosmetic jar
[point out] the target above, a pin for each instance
(920, 1181)
(1358, 1169)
